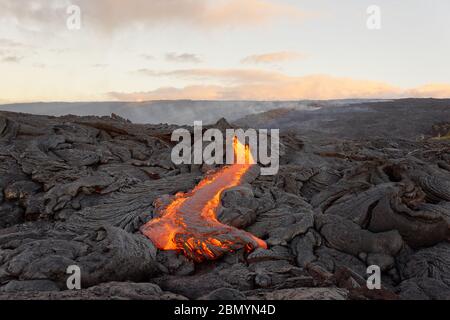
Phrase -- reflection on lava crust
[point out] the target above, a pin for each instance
(189, 222)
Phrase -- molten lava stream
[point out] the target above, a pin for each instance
(189, 223)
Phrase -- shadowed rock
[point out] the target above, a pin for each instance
(76, 191)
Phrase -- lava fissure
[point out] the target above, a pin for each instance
(189, 223)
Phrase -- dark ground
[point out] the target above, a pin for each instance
(359, 185)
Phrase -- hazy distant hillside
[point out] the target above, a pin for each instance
(406, 118)
(173, 112)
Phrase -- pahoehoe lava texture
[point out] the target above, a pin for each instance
(76, 191)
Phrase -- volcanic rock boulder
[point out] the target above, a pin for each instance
(348, 237)
(305, 294)
(104, 291)
(303, 247)
(436, 187)
(29, 286)
(329, 261)
(433, 262)
(129, 208)
(357, 206)
(424, 289)
(239, 207)
(8, 128)
(393, 206)
(419, 228)
(10, 215)
(175, 263)
(103, 255)
(227, 294)
(324, 178)
(292, 217)
(192, 287)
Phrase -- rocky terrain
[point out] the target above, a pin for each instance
(411, 119)
(177, 112)
(76, 190)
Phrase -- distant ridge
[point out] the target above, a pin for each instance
(410, 119)
(173, 112)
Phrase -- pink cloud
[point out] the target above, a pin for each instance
(435, 90)
(273, 57)
(243, 84)
(109, 15)
(229, 76)
(183, 57)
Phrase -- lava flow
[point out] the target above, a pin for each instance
(189, 223)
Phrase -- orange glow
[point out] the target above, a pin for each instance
(189, 223)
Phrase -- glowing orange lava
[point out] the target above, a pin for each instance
(189, 222)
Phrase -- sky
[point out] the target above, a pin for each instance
(138, 50)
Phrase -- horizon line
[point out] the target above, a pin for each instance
(219, 100)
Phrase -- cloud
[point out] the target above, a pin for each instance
(168, 93)
(263, 85)
(253, 84)
(32, 14)
(434, 90)
(109, 15)
(238, 12)
(12, 50)
(182, 57)
(148, 56)
(273, 57)
(11, 59)
(8, 43)
(229, 76)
